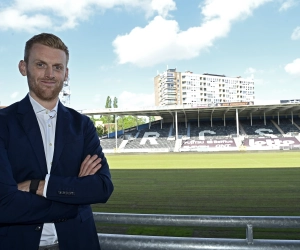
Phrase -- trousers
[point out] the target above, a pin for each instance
(50, 247)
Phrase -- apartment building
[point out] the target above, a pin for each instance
(177, 88)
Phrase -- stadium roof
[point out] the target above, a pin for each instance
(188, 112)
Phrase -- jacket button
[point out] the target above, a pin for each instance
(38, 228)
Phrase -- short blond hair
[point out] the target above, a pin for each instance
(47, 39)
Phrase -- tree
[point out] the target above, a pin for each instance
(130, 121)
(108, 102)
(93, 119)
(101, 131)
(151, 119)
(108, 105)
(115, 103)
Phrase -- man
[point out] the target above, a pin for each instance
(51, 163)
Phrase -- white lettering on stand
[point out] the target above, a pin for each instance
(201, 134)
(151, 136)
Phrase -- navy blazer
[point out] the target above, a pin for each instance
(22, 157)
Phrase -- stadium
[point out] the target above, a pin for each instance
(224, 127)
(232, 161)
(228, 159)
(222, 161)
(236, 162)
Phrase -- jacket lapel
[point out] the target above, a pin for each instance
(61, 132)
(28, 120)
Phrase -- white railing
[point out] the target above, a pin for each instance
(134, 242)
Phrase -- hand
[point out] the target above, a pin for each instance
(25, 185)
(90, 165)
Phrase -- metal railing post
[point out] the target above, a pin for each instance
(249, 234)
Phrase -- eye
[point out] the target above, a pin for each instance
(40, 65)
(58, 67)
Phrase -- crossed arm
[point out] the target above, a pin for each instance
(89, 166)
(67, 190)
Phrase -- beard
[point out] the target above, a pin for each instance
(44, 93)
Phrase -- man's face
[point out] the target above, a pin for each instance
(46, 70)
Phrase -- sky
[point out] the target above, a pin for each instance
(117, 47)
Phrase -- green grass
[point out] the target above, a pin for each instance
(253, 184)
(205, 160)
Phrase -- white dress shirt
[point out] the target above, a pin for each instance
(47, 123)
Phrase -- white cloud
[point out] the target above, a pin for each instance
(162, 40)
(296, 34)
(32, 15)
(130, 100)
(106, 67)
(163, 6)
(293, 68)
(258, 76)
(287, 5)
(13, 19)
(14, 95)
(250, 70)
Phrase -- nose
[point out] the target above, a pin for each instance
(49, 73)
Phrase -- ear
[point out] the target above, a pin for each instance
(67, 74)
(22, 68)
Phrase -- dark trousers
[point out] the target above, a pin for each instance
(49, 247)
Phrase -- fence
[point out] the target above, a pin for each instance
(134, 242)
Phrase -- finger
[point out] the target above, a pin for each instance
(24, 186)
(90, 167)
(90, 164)
(83, 163)
(93, 170)
(87, 161)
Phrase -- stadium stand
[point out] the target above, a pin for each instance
(110, 143)
(259, 129)
(210, 136)
(287, 126)
(216, 131)
(150, 137)
(182, 130)
(256, 130)
(161, 138)
(297, 122)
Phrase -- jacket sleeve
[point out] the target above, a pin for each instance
(18, 207)
(90, 189)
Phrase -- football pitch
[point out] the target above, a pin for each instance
(242, 183)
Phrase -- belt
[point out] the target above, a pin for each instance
(50, 247)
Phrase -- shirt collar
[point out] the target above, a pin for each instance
(37, 108)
